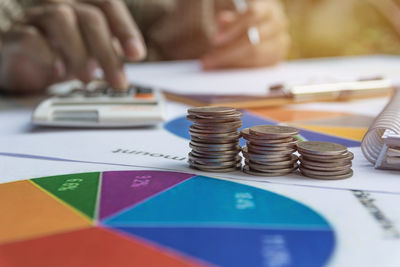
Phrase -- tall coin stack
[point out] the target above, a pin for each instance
(324, 160)
(269, 150)
(215, 139)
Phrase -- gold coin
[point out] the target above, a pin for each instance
(321, 148)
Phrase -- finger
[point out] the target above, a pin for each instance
(123, 27)
(99, 43)
(225, 19)
(60, 25)
(28, 62)
(222, 57)
(258, 11)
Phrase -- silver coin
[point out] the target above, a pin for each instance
(215, 141)
(291, 143)
(321, 148)
(211, 110)
(308, 171)
(269, 166)
(271, 153)
(233, 134)
(348, 156)
(326, 169)
(262, 168)
(273, 131)
(235, 115)
(205, 160)
(211, 130)
(216, 149)
(326, 177)
(219, 126)
(247, 170)
(245, 133)
(218, 170)
(225, 164)
(215, 155)
(325, 164)
(253, 147)
(195, 119)
(227, 145)
(264, 155)
(286, 161)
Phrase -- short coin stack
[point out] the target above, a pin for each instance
(269, 150)
(215, 139)
(324, 160)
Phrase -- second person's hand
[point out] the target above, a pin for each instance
(231, 45)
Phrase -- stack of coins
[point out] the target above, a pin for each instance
(215, 139)
(324, 160)
(269, 150)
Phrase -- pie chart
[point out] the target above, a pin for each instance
(156, 218)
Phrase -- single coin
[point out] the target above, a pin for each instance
(210, 166)
(203, 160)
(273, 131)
(232, 134)
(211, 130)
(227, 145)
(252, 146)
(285, 162)
(263, 168)
(245, 133)
(271, 153)
(326, 169)
(235, 115)
(321, 148)
(215, 141)
(216, 149)
(262, 155)
(218, 170)
(215, 155)
(291, 143)
(348, 156)
(247, 170)
(211, 110)
(218, 126)
(321, 173)
(269, 166)
(226, 164)
(325, 177)
(195, 119)
(325, 164)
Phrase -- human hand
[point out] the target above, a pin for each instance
(232, 47)
(60, 41)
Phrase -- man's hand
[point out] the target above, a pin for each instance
(61, 41)
(232, 47)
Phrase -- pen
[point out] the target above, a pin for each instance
(252, 32)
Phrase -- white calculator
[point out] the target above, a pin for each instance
(96, 105)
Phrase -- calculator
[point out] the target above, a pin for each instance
(96, 105)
